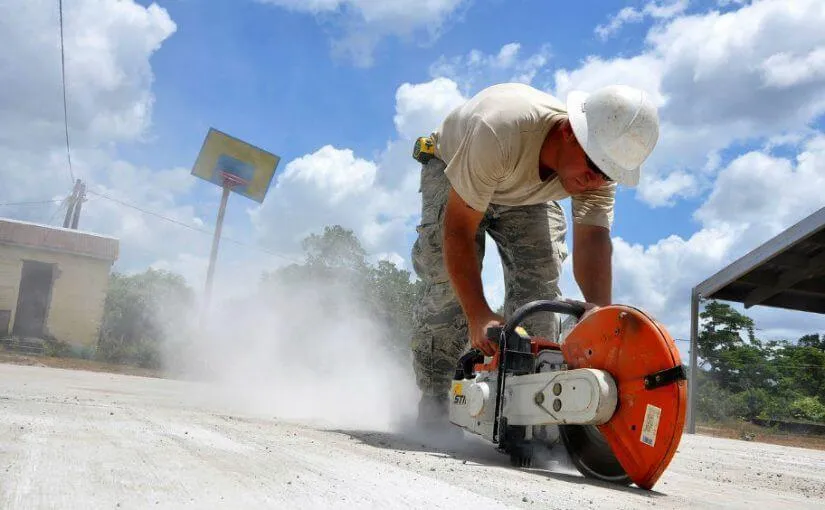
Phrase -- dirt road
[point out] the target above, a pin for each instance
(73, 439)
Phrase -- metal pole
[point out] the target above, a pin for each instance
(78, 206)
(214, 255)
(694, 340)
(67, 222)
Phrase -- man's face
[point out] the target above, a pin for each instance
(578, 173)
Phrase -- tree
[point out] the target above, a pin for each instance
(336, 265)
(814, 340)
(722, 331)
(336, 248)
(747, 378)
(140, 311)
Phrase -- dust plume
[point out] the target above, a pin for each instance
(305, 352)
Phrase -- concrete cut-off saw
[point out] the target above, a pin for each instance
(612, 390)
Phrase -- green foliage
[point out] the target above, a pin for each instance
(139, 313)
(336, 265)
(808, 408)
(745, 378)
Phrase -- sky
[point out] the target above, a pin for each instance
(339, 89)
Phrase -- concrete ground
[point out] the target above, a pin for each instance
(75, 439)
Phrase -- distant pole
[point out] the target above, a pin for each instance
(694, 340)
(67, 222)
(78, 205)
(215, 242)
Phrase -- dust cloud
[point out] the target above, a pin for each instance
(309, 354)
(303, 352)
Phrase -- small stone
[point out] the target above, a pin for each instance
(524, 499)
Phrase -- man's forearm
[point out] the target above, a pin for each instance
(592, 266)
(461, 262)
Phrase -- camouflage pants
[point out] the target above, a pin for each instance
(531, 244)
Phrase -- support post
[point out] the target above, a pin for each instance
(694, 370)
(67, 221)
(214, 255)
(78, 205)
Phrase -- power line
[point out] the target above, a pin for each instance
(40, 202)
(65, 106)
(190, 227)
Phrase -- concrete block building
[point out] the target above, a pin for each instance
(53, 282)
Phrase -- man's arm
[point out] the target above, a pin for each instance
(461, 261)
(592, 265)
(460, 258)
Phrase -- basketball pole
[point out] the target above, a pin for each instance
(215, 242)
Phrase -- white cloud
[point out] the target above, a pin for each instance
(662, 191)
(720, 78)
(363, 23)
(378, 199)
(478, 69)
(632, 15)
(335, 173)
(756, 197)
(783, 70)
(108, 46)
(108, 75)
(420, 108)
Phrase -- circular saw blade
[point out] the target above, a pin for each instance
(591, 454)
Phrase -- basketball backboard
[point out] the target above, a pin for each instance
(247, 169)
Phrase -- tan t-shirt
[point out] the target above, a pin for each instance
(491, 146)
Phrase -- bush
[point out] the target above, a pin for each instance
(808, 408)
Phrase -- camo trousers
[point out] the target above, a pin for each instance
(531, 244)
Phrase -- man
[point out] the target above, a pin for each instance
(502, 162)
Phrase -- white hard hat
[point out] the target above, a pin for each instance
(617, 126)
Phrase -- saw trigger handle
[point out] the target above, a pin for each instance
(466, 364)
(565, 307)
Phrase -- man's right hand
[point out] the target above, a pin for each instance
(478, 333)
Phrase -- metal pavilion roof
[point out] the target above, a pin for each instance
(787, 271)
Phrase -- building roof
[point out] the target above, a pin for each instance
(50, 238)
(788, 271)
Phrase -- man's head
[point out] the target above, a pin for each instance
(607, 135)
(574, 168)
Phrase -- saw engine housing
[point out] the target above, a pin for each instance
(612, 391)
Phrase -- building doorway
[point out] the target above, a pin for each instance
(34, 298)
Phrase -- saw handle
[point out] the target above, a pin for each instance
(542, 305)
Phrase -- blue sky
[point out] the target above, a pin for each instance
(266, 75)
(740, 85)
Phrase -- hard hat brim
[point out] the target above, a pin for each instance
(582, 130)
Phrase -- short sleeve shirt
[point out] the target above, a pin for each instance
(491, 147)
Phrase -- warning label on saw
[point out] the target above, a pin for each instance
(651, 425)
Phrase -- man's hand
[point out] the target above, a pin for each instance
(478, 333)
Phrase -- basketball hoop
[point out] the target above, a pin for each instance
(231, 180)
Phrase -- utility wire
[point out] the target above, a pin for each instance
(41, 202)
(190, 227)
(65, 106)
